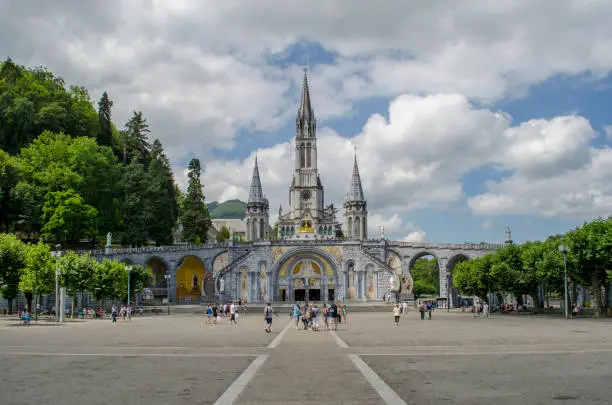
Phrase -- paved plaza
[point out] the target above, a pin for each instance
(452, 359)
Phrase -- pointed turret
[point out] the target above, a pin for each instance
(355, 208)
(305, 122)
(356, 190)
(256, 212)
(256, 192)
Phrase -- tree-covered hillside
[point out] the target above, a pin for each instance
(68, 175)
(230, 209)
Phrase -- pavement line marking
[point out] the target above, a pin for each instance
(339, 340)
(278, 338)
(57, 354)
(233, 391)
(386, 393)
(518, 352)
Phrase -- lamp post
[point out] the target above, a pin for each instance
(563, 250)
(167, 277)
(57, 254)
(128, 268)
(447, 294)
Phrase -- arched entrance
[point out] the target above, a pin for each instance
(453, 293)
(189, 280)
(157, 268)
(306, 275)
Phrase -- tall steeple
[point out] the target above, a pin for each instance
(356, 190)
(256, 191)
(306, 123)
(355, 208)
(257, 208)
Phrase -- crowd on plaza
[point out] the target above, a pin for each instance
(317, 318)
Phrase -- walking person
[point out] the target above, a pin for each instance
(268, 311)
(296, 315)
(396, 314)
(233, 315)
(485, 310)
(429, 307)
(208, 314)
(333, 313)
(114, 313)
(422, 311)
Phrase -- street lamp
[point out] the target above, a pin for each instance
(563, 250)
(128, 268)
(167, 277)
(448, 293)
(57, 254)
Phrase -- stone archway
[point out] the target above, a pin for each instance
(190, 276)
(452, 292)
(157, 269)
(306, 275)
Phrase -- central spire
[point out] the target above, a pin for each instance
(356, 191)
(256, 191)
(305, 122)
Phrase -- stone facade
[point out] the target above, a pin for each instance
(318, 270)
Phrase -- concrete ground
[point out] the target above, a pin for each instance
(452, 359)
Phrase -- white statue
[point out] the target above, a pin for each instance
(109, 239)
(394, 283)
(382, 232)
(222, 285)
(508, 234)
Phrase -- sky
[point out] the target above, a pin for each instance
(465, 119)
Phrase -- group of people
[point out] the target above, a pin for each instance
(125, 312)
(214, 312)
(315, 318)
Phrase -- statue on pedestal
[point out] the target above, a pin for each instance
(109, 239)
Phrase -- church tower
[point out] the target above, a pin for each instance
(306, 191)
(355, 209)
(257, 209)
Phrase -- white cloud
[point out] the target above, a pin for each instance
(555, 172)
(201, 71)
(487, 223)
(415, 236)
(608, 131)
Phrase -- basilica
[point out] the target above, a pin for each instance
(312, 257)
(308, 217)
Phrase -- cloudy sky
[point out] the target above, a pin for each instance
(466, 118)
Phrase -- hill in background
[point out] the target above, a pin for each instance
(230, 209)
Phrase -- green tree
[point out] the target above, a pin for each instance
(427, 271)
(105, 134)
(76, 271)
(108, 280)
(38, 275)
(9, 207)
(195, 216)
(133, 209)
(12, 260)
(223, 234)
(590, 255)
(162, 207)
(66, 217)
(136, 142)
(56, 162)
(421, 287)
(33, 100)
(138, 281)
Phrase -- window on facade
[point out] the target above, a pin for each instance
(308, 156)
(302, 157)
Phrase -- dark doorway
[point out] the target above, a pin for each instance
(300, 295)
(330, 294)
(314, 295)
(283, 294)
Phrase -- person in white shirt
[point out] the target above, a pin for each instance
(485, 310)
(233, 314)
(396, 314)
